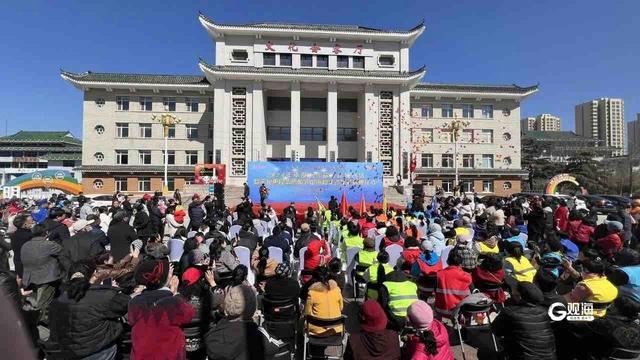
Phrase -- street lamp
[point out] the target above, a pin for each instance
(455, 126)
(167, 121)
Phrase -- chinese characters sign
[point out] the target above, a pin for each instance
(313, 48)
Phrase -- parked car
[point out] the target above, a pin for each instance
(617, 200)
(598, 203)
(98, 200)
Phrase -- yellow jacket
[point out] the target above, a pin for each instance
(324, 303)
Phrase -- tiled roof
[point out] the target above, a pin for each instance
(41, 137)
(135, 168)
(316, 27)
(136, 78)
(515, 89)
(62, 156)
(9, 146)
(554, 136)
(309, 71)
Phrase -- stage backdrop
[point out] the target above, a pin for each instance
(306, 181)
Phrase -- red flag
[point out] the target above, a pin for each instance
(344, 206)
(363, 205)
(414, 164)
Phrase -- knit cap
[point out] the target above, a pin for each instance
(152, 273)
(240, 301)
(372, 317)
(420, 315)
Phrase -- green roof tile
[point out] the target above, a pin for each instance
(90, 76)
(41, 137)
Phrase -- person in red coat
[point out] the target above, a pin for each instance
(411, 251)
(429, 339)
(561, 216)
(612, 242)
(317, 254)
(156, 315)
(392, 236)
(582, 235)
(488, 277)
(452, 285)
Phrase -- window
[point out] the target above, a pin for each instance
(99, 156)
(447, 110)
(171, 183)
(146, 104)
(171, 132)
(145, 130)
(218, 156)
(269, 59)
(121, 184)
(358, 62)
(210, 105)
(322, 61)
(386, 60)
(446, 136)
(278, 103)
(487, 161)
(347, 134)
(313, 134)
(192, 104)
(169, 104)
(487, 111)
(447, 160)
(426, 161)
(191, 157)
(122, 157)
(425, 136)
(426, 111)
(239, 55)
(285, 59)
(210, 157)
(123, 103)
(507, 185)
(145, 157)
(447, 185)
(306, 60)
(313, 104)
(348, 105)
(487, 185)
(144, 184)
(122, 130)
(466, 136)
(210, 132)
(278, 133)
(487, 136)
(343, 61)
(467, 111)
(98, 184)
(192, 131)
(467, 186)
(467, 160)
(171, 157)
(369, 156)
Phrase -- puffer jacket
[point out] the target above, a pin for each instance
(324, 302)
(85, 327)
(414, 349)
(240, 340)
(581, 234)
(527, 332)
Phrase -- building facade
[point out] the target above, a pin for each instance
(633, 136)
(290, 92)
(27, 151)
(542, 122)
(560, 146)
(602, 119)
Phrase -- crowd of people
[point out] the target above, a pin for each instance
(156, 278)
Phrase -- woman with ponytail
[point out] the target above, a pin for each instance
(430, 340)
(84, 320)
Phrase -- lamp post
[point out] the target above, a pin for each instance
(455, 126)
(167, 121)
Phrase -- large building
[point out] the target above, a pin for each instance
(542, 122)
(633, 136)
(560, 146)
(602, 119)
(293, 92)
(27, 151)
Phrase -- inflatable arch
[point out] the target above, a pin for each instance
(47, 179)
(553, 183)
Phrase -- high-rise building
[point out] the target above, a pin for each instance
(633, 136)
(542, 122)
(602, 119)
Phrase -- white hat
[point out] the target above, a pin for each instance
(81, 224)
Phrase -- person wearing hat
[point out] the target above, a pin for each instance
(195, 285)
(156, 315)
(374, 341)
(84, 244)
(594, 287)
(237, 336)
(525, 325)
(428, 339)
(610, 244)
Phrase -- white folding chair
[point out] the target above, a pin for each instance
(351, 264)
(233, 231)
(378, 241)
(394, 251)
(301, 262)
(244, 257)
(275, 253)
(176, 248)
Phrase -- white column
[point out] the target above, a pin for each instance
(332, 121)
(257, 128)
(295, 120)
(370, 116)
(405, 124)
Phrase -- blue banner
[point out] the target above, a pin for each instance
(308, 181)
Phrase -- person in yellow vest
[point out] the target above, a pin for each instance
(365, 258)
(594, 287)
(516, 265)
(396, 294)
(486, 244)
(352, 239)
(375, 274)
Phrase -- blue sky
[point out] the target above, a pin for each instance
(576, 50)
